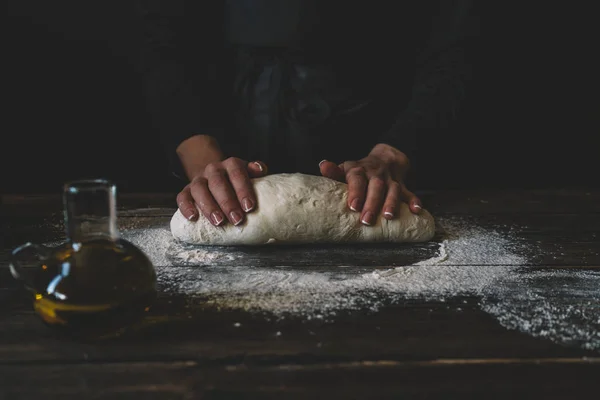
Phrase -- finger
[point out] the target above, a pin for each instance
(347, 165)
(205, 201)
(185, 203)
(414, 203)
(392, 200)
(223, 193)
(256, 169)
(376, 192)
(357, 187)
(240, 181)
(331, 171)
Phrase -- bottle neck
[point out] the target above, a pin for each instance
(90, 211)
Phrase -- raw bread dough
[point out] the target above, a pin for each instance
(298, 208)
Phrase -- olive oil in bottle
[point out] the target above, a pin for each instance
(95, 284)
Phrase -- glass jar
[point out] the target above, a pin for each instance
(96, 283)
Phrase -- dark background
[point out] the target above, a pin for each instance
(74, 105)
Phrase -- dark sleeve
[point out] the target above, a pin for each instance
(441, 70)
(178, 61)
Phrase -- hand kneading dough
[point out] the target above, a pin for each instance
(298, 208)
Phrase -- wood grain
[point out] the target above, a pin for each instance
(416, 348)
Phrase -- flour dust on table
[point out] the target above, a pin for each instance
(489, 263)
(560, 305)
(461, 267)
(299, 208)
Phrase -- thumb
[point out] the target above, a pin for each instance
(331, 170)
(414, 203)
(256, 169)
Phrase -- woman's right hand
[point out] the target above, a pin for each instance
(222, 191)
(220, 188)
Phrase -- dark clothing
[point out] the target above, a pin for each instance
(293, 82)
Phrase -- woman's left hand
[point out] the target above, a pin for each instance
(375, 183)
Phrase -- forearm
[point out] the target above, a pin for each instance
(196, 152)
(389, 154)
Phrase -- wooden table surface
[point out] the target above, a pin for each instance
(414, 348)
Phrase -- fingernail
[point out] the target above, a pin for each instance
(247, 204)
(367, 218)
(418, 207)
(322, 161)
(191, 217)
(259, 165)
(217, 217)
(388, 214)
(355, 205)
(236, 218)
(192, 213)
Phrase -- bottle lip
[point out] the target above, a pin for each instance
(76, 186)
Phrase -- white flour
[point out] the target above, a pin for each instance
(559, 305)
(487, 263)
(469, 261)
(563, 305)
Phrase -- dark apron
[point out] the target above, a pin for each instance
(292, 114)
(310, 83)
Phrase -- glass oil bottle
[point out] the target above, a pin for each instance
(95, 284)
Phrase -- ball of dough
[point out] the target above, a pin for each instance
(298, 208)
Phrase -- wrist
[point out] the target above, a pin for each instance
(390, 155)
(196, 152)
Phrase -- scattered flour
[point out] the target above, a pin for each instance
(559, 305)
(470, 260)
(551, 304)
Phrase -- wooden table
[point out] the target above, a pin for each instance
(413, 349)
